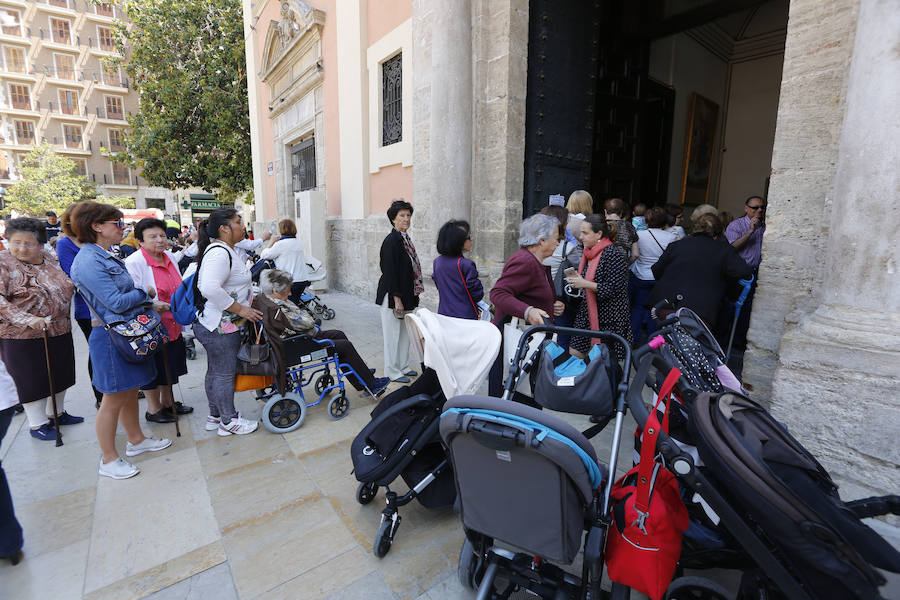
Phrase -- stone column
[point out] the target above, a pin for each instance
(451, 112)
(837, 385)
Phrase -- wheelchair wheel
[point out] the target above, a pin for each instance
(328, 314)
(696, 588)
(366, 492)
(325, 380)
(282, 414)
(339, 406)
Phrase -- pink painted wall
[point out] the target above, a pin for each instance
(266, 129)
(384, 16)
(391, 183)
(330, 98)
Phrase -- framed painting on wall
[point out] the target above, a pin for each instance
(698, 150)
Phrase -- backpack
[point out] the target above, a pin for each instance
(187, 301)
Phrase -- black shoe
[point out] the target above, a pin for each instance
(162, 416)
(19, 409)
(14, 558)
(181, 409)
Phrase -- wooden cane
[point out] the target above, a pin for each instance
(59, 441)
(169, 384)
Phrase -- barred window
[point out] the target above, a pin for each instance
(391, 101)
(303, 165)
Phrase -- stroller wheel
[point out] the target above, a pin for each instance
(282, 414)
(366, 492)
(696, 588)
(339, 406)
(328, 314)
(325, 380)
(469, 564)
(383, 539)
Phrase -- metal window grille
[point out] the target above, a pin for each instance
(391, 100)
(303, 165)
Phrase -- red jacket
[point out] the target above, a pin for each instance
(524, 282)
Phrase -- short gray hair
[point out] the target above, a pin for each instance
(536, 228)
(275, 281)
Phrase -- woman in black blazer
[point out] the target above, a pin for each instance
(699, 268)
(398, 291)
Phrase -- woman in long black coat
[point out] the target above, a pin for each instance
(398, 291)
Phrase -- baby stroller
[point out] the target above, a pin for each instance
(402, 438)
(305, 359)
(530, 485)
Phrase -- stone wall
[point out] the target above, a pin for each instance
(810, 115)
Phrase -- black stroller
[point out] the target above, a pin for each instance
(307, 300)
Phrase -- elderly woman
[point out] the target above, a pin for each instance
(524, 288)
(454, 275)
(603, 274)
(224, 306)
(275, 286)
(67, 248)
(35, 295)
(154, 268)
(109, 292)
(398, 290)
(287, 252)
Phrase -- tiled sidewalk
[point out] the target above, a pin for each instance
(258, 516)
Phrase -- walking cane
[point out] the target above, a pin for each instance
(745, 283)
(59, 441)
(169, 384)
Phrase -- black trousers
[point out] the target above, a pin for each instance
(10, 530)
(85, 326)
(297, 289)
(348, 354)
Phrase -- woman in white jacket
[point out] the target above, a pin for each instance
(155, 269)
(287, 252)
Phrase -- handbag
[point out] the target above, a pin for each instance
(569, 384)
(481, 308)
(255, 356)
(136, 339)
(648, 515)
(512, 334)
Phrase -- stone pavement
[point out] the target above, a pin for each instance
(257, 516)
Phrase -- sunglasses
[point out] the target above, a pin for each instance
(120, 223)
(760, 207)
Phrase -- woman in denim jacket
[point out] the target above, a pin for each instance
(109, 291)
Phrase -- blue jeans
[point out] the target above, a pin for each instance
(10, 531)
(638, 290)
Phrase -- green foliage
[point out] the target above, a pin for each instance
(119, 201)
(49, 182)
(186, 59)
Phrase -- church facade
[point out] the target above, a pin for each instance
(481, 109)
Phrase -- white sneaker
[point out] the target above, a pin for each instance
(237, 426)
(148, 445)
(118, 469)
(212, 423)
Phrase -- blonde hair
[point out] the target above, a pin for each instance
(580, 202)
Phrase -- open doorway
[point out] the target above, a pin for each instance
(660, 101)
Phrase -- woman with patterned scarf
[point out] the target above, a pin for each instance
(603, 274)
(398, 291)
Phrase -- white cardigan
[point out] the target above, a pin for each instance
(221, 285)
(289, 256)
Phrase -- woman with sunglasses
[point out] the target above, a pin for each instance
(109, 292)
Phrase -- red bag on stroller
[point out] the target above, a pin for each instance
(644, 541)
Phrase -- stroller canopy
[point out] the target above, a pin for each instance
(461, 351)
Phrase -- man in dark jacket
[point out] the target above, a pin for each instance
(698, 268)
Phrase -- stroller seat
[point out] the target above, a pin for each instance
(524, 477)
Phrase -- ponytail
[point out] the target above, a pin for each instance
(208, 229)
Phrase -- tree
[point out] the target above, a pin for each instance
(49, 182)
(186, 60)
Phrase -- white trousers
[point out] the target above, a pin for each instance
(38, 412)
(396, 342)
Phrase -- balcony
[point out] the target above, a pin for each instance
(57, 46)
(20, 112)
(27, 77)
(97, 14)
(15, 39)
(54, 7)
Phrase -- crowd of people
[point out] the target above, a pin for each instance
(597, 270)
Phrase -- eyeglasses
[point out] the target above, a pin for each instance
(21, 244)
(120, 223)
(759, 207)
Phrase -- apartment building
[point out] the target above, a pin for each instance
(57, 86)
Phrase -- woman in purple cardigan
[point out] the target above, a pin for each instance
(455, 276)
(524, 288)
